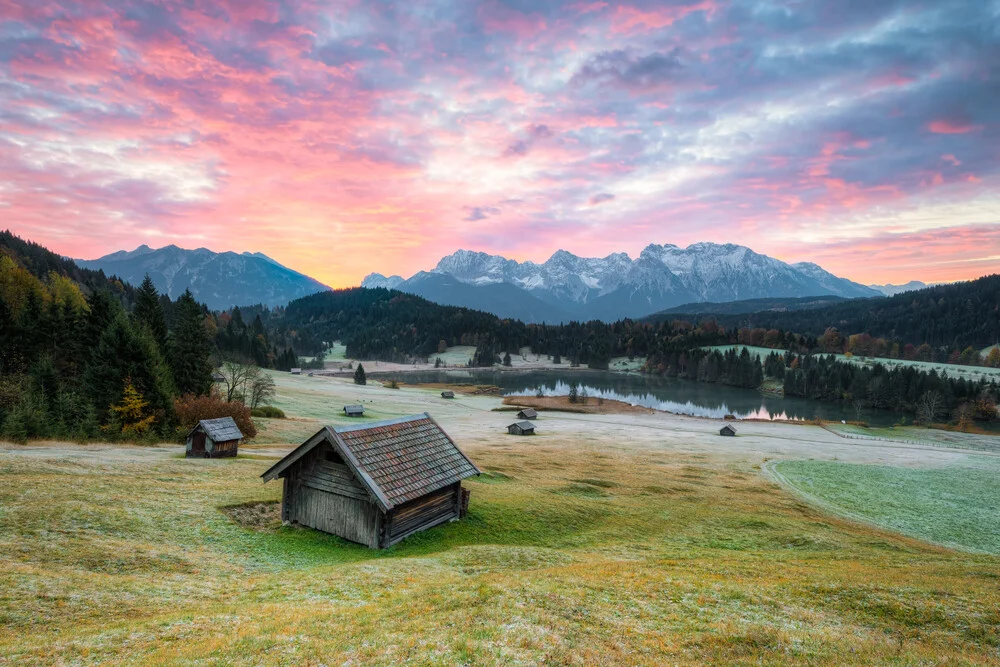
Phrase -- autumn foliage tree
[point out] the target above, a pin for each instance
(130, 417)
(190, 409)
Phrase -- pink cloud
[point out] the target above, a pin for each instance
(945, 126)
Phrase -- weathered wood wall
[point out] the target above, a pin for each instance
(324, 495)
(423, 513)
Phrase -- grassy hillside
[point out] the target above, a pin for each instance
(580, 547)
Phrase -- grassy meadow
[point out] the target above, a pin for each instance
(581, 547)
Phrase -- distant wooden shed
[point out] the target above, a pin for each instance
(527, 413)
(375, 484)
(728, 429)
(214, 438)
(447, 394)
(354, 410)
(296, 371)
(521, 428)
(218, 377)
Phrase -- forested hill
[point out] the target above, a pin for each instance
(41, 262)
(955, 316)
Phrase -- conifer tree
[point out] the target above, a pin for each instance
(359, 375)
(127, 352)
(149, 312)
(190, 349)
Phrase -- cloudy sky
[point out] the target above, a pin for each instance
(344, 138)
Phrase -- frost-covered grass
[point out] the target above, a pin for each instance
(624, 364)
(759, 352)
(580, 548)
(459, 355)
(922, 436)
(957, 505)
(953, 370)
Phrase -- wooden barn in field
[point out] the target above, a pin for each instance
(728, 429)
(296, 371)
(214, 438)
(527, 413)
(375, 484)
(354, 410)
(447, 394)
(521, 428)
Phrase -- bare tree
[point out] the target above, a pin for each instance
(235, 376)
(260, 388)
(859, 409)
(929, 407)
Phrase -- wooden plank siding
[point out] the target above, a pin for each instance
(424, 512)
(353, 519)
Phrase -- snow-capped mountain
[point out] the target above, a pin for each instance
(373, 280)
(608, 288)
(220, 280)
(893, 290)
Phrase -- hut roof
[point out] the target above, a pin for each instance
(728, 427)
(357, 407)
(448, 394)
(397, 459)
(528, 412)
(526, 425)
(222, 429)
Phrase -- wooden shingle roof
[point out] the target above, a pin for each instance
(397, 460)
(527, 413)
(222, 429)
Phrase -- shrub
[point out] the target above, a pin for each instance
(191, 409)
(268, 411)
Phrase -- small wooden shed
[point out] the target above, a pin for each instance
(218, 377)
(375, 484)
(527, 413)
(214, 438)
(728, 429)
(447, 394)
(354, 410)
(296, 371)
(521, 428)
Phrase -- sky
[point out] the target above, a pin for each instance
(342, 138)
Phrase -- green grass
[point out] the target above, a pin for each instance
(953, 370)
(956, 505)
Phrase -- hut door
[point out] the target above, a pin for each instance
(198, 443)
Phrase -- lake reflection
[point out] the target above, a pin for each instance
(687, 397)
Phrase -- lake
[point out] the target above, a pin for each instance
(686, 397)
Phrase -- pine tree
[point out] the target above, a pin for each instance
(359, 375)
(190, 349)
(574, 394)
(149, 312)
(127, 352)
(506, 359)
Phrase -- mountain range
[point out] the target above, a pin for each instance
(566, 286)
(218, 279)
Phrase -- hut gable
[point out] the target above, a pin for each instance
(527, 413)
(521, 428)
(728, 429)
(377, 483)
(213, 438)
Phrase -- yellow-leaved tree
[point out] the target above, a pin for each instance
(130, 414)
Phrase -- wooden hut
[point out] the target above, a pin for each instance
(447, 394)
(214, 438)
(375, 484)
(354, 410)
(218, 377)
(527, 413)
(728, 429)
(521, 428)
(296, 371)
